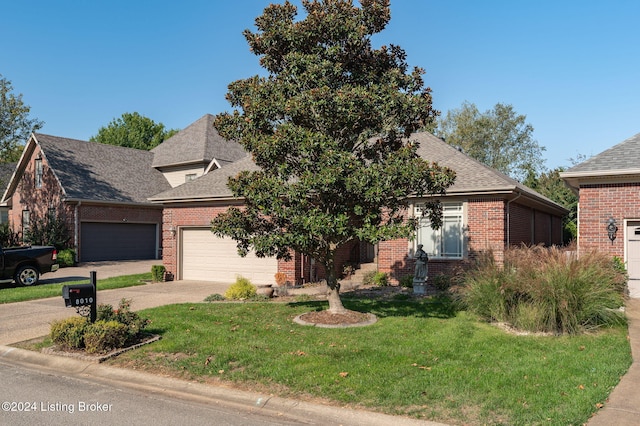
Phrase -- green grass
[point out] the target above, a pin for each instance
(21, 294)
(421, 359)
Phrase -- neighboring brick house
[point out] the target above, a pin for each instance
(102, 191)
(99, 190)
(608, 187)
(483, 211)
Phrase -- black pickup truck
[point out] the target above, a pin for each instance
(26, 264)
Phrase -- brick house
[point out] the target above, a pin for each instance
(608, 187)
(124, 203)
(483, 211)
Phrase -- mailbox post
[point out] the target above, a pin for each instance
(82, 297)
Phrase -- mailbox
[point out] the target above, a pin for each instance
(82, 297)
(78, 295)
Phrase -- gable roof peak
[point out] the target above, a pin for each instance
(199, 142)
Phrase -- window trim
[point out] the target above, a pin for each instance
(460, 214)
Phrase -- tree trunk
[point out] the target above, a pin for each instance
(333, 290)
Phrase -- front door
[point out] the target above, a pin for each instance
(633, 255)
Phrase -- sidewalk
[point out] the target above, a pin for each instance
(623, 406)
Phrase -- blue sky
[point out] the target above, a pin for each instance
(570, 66)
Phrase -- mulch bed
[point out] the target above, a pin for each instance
(326, 317)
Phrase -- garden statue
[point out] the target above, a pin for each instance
(420, 273)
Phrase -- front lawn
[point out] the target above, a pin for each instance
(42, 291)
(421, 359)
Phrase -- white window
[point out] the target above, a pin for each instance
(446, 242)
(26, 222)
(38, 172)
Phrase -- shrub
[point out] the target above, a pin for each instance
(442, 282)
(104, 336)
(8, 238)
(134, 324)
(550, 290)
(157, 273)
(113, 329)
(242, 289)
(281, 278)
(379, 279)
(67, 257)
(69, 332)
(214, 298)
(48, 230)
(406, 281)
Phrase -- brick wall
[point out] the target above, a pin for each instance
(37, 200)
(486, 227)
(597, 204)
(485, 232)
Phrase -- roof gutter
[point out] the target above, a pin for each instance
(116, 203)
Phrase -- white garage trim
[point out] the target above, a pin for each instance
(203, 256)
(632, 249)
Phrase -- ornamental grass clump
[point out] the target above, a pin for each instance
(547, 290)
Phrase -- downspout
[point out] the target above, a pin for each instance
(509, 218)
(76, 225)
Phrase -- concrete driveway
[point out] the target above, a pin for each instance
(106, 269)
(28, 320)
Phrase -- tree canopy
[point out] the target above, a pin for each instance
(133, 131)
(499, 138)
(15, 124)
(329, 127)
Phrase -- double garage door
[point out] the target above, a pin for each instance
(203, 256)
(117, 241)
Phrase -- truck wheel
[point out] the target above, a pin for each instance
(27, 275)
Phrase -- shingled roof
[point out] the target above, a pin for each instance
(98, 172)
(212, 185)
(6, 170)
(197, 143)
(622, 159)
(472, 177)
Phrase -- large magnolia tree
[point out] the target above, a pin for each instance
(329, 126)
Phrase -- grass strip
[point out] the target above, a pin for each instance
(43, 291)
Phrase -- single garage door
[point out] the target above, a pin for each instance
(117, 241)
(209, 258)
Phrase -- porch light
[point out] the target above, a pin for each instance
(172, 231)
(612, 228)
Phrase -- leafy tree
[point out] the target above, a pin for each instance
(134, 131)
(15, 124)
(326, 128)
(499, 138)
(49, 230)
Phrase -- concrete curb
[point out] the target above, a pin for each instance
(305, 412)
